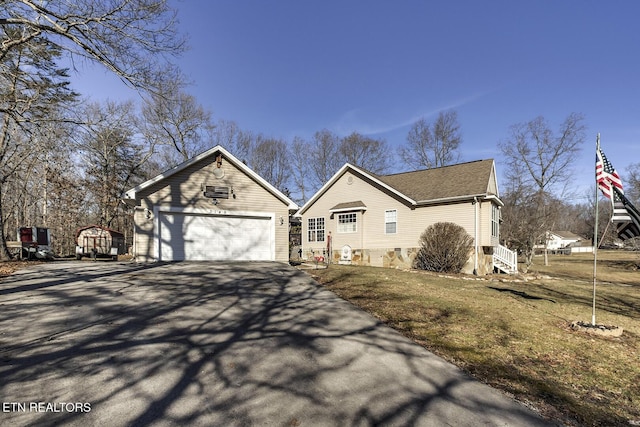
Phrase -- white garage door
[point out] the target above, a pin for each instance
(197, 237)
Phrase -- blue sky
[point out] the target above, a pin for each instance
(289, 68)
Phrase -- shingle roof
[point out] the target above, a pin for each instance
(423, 187)
(464, 179)
(348, 205)
(568, 235)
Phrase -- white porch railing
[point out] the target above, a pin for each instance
(505, 259)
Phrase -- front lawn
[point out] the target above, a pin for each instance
(514, 334)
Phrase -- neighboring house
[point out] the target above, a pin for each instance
(557, 240)
(368, 219)
(212, 207)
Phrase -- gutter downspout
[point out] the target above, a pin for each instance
(475, 239)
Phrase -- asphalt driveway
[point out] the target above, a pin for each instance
(216, 344)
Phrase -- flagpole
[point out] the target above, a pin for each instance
(595, 244)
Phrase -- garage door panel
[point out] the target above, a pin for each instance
(209, 237)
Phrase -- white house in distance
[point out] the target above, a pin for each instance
(363, 218)
(557, 240)
(211, 207)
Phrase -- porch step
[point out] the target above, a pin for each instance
(505, 260)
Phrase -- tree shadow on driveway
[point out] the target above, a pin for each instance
(218, 344)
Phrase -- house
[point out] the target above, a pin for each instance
(368, 219)
(558, 240)
(211, 207)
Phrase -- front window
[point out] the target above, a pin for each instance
(390, 221)
(316, 229)
(347, 223)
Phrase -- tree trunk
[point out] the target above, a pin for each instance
(5, 255)
(546, 255)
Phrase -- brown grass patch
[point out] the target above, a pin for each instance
(515, 335)
(7, 268)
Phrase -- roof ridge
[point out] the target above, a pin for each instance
(430, 169)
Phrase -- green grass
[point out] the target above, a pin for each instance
(514, 334)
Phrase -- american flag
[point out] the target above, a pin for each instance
(631, 227)
(606, 175)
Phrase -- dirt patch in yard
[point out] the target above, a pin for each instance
(7, 268)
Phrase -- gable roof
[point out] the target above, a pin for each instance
(107, 229)
(567, 235)
(349, 206)
(464, 179)
(428, 186)
(218, 149)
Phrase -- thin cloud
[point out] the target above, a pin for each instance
(363, 121)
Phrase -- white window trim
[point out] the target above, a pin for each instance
(324, 229)
(355, 223)
(495, 221)
(390, 222)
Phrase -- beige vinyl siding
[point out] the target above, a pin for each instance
(492, 188)
(143, 236)
(371, 223)
(355, 240)
(485, 224)
(423, 217)
(409, 194)
(184, 189)
(339, 192)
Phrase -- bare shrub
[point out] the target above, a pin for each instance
(444, 247)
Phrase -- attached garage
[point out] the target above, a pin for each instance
(212, 207)
(200, 237)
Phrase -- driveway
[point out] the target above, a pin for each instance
(217, 344)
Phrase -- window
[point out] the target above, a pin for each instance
(347, 223)
(391, 221)
(495, 221)
(316, 229)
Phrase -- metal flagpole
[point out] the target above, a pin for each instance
(595, 243)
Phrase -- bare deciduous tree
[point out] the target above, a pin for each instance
(324, 157)
(33, 90)
(632, 185)
(129, 37)
(433, 145)
(270, 160)
(539, 166)
(298, 154)
(228, 134)
(132, 38)
(368, 153)
(111, 157)
(177, 125)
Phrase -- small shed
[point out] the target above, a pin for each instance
(96, 240)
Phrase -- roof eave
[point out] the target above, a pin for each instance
(469, 197)
(352, 209)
